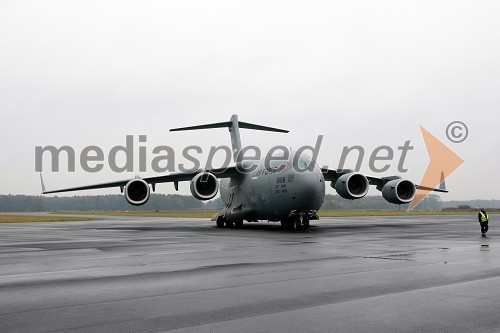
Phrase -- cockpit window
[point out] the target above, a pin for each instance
(304, 163)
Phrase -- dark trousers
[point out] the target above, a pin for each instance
(484, 227)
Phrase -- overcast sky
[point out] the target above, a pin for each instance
(367, 73)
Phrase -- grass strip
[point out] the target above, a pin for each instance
(14, 218)
(194, 213)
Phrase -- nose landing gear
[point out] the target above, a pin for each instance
(298, 220)
(295, 223)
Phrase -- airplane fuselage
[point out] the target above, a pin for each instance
(274, 192)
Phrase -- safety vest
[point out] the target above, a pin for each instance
(484, 217)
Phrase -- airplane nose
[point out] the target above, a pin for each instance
(309, 188)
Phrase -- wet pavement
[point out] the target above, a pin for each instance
(363, 274)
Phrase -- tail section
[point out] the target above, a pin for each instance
(234, 128)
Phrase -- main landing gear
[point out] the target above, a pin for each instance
(222, 221)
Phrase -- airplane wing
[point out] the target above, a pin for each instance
(379, 182)
(171, 178)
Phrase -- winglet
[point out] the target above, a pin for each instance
(43, 185)
(442, 184)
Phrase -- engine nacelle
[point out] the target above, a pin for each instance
(137, 192)
(399, 191)
(352, 185)
(204, 186)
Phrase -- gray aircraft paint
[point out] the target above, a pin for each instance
(290, 189)
(269, 195)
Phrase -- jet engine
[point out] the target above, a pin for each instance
(399, 191)
(137, 192)
(352, 185)
(204, 186)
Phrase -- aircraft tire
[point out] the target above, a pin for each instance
(220, 222)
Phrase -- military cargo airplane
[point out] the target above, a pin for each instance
(289, 190)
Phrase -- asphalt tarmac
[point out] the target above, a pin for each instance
(363, 274)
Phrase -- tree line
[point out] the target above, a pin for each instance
(13, 203)
(95, 202)
(173, 202)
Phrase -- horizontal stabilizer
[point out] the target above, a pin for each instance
(234, 128)
(229, 124)
(260, 128)
(214, 125)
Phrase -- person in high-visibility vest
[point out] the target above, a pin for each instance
(482, 216)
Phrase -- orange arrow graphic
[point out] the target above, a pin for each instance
(442, 160)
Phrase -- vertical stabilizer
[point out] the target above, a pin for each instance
(234, 130)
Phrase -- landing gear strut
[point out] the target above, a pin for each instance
(295, 223)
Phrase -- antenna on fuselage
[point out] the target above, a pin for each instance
(234, 128)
